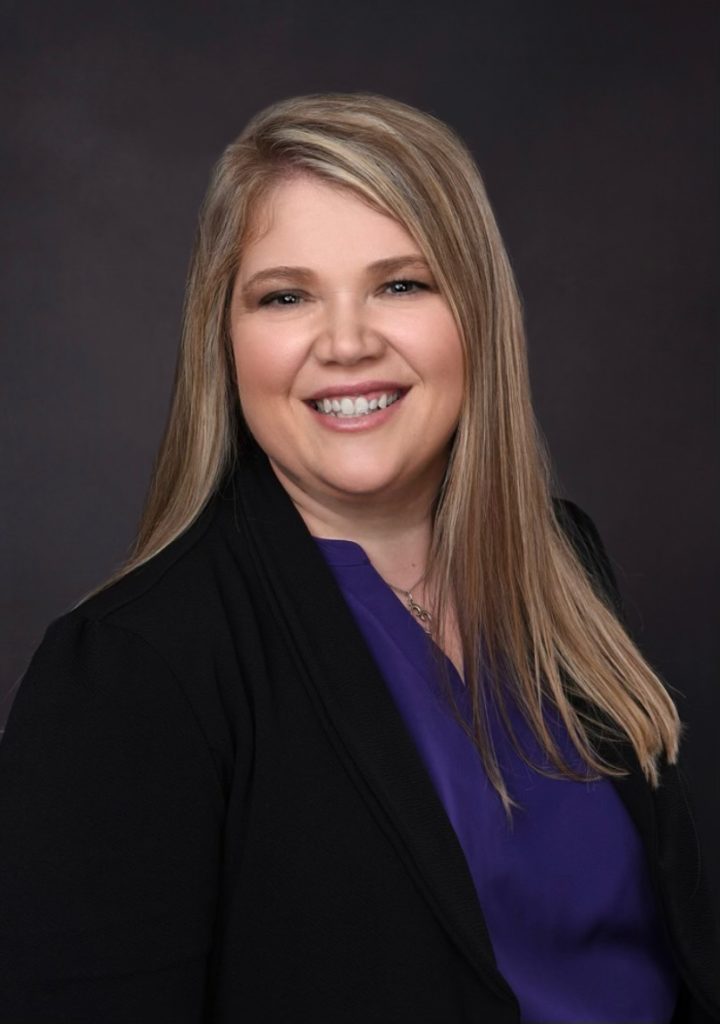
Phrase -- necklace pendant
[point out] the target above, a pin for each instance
(420, 613)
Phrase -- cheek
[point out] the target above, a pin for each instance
(263, 366)
(449, 359)
(451, 374)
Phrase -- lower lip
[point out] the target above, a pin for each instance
(353, 424)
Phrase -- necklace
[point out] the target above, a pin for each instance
(423, 616)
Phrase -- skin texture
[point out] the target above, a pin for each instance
(341, 323)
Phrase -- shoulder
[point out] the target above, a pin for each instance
(173, 575)
(588, 545)
(98, 699)
(578, 525)
(150, 646)
(182, 599)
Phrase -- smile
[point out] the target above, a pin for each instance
(360, 405)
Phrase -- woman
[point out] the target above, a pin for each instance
(357, 735)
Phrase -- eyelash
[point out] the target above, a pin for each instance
(270, 300)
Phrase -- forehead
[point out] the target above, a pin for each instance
(306, 219)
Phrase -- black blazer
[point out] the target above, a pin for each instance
(212, 811)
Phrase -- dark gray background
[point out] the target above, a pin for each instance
(594, 125)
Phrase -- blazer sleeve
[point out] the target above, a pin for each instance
(690, 902)
(111, 813)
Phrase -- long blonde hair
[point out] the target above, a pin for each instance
(499, 557)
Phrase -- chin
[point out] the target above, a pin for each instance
(358, 484)
(333, 480)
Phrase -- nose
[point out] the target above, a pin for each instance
(345, 336)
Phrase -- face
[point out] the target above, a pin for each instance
(348, 360)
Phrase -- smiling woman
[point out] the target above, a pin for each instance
(358, 733)
(353, 386)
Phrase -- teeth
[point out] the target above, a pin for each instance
(360, 406)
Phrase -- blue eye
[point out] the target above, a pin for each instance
(407, 287)
(285, 300)
(280, 299)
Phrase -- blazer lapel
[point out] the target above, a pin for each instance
(358, 711)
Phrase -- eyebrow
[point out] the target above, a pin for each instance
(389, 265)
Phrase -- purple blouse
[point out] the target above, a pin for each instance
(565, 890)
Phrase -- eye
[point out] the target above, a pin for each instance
(405, 287)
(280, 300)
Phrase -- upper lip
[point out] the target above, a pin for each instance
(363, 387)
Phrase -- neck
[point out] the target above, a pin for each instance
(395, 536)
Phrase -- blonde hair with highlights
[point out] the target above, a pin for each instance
(499, 557)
